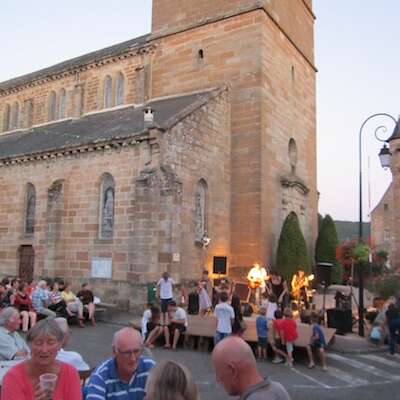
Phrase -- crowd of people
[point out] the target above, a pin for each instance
(170, 321)
(35, 300)
(44, 370)
(127, 375)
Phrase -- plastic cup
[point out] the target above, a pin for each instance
(48, 382)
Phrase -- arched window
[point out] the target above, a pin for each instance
(107, 199)
(107, 101)
(14, 122)
(52, 106)
(28, 113)
(61, 104)
(6, 118)
(30, 209)
(293, 154)
(120, 89)
(201, 210)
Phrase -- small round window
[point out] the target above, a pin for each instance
(293, 154)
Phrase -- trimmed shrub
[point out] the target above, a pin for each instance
(292, 249)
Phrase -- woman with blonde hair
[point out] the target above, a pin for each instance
(169, 380)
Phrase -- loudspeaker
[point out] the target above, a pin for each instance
(193, 303)
(324, 272)
(341, 320)
(219, 265)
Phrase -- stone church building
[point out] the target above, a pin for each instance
(385, 230)
(124, 162)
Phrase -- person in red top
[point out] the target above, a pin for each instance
(23, 303)
(22, 382)
(288, 328)
(277, 346)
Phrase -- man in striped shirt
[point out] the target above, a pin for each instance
(123, 376)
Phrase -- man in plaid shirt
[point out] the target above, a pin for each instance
(40, 300)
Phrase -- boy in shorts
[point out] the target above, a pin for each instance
(317, 342)
(262, 334)
(277, 347)
(288, 334)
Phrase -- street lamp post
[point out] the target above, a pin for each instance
(385, 158)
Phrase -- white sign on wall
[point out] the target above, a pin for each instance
(101, 267)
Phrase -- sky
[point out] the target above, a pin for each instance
(356, 47)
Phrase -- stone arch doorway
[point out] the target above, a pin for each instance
(26, 262)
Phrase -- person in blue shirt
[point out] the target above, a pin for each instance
(124, 376)
(317, 343)
(262, 334)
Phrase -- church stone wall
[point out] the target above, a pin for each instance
(273, 100)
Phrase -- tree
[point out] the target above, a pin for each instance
(325, 249)
(292, 249)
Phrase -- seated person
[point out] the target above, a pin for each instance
(74, 305)
(85, 295)
(170, 380)
(69, 357)
(177, 323)
(126, 371)
(41, 300)
(145, 319)
(23, 304)
(21, 382)
(57, 304)
(11, 343)
(154, 327)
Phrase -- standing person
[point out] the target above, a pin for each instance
(225, 318)
(205, 278)
(12, 345)
(204, 299)
(74, 305)
(236, 370)
(124, 376)
(41, 300)
(85, 295)
(288, 329)
(169, 380)
(177, 324)
(23, 304)
(270, 305)
(317, 342)
(262, 334)
(300, 284)
(165, 290)
(278, 286)
(22, 382)
(393, 323)
(277, 346)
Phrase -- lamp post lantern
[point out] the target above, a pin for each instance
(385, 159)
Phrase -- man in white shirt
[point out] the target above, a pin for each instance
(225, 317)
(165, 288)
(70, 357)
(177, 324)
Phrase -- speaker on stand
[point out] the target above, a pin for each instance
(324, 278)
